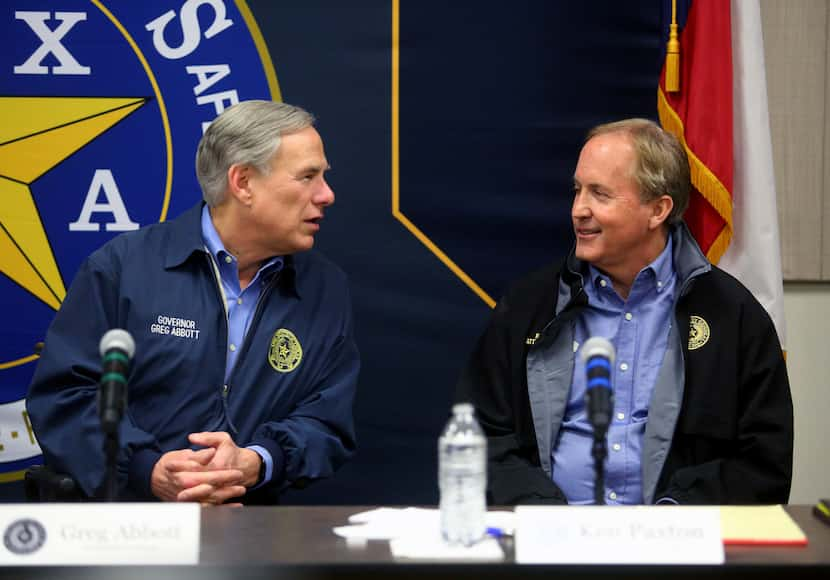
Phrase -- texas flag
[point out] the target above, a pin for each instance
(713, 96)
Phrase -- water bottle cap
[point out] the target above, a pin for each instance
(460, 408)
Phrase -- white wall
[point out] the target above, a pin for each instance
(797, 53)
(807, 309)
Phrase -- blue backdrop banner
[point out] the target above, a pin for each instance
(452, 129)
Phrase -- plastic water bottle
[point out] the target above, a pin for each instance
(462, 477)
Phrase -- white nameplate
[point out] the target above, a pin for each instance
(618, 535)
(99, 533)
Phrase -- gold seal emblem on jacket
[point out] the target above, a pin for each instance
(698, 332)
(286, 352)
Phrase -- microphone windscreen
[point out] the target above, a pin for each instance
(117, 338)
(597, 346)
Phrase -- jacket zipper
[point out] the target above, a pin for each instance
(266, 292)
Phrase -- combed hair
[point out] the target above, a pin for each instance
(247, 133)
(662, 167)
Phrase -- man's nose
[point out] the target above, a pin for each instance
(325, 196)
(580, 208)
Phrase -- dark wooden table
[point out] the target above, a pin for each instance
(298, 542)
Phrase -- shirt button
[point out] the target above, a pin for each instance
(612, 495)
(623, 366)
(239, 300)
(232, 347)
(621, 416)
(628, 316)
(228, 259)
(603, 283)
(616, 447)
(659, 284)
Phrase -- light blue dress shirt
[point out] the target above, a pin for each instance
(240, 305)
(638, 328)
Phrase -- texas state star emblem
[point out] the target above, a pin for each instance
(102, 104)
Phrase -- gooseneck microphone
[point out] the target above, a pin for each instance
(598, 355)
(117, 348)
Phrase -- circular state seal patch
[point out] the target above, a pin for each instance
(286, 352)
(698, 332)
(24, 536)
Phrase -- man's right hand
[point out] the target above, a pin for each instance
(183, 475)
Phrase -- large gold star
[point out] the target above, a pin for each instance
(37, 133)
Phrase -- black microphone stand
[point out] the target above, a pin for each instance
(111, 446)
(112, 404)
(599, 452)
(111, 413)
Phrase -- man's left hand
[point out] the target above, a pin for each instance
(229, 455)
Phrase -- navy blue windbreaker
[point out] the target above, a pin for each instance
(291, 390)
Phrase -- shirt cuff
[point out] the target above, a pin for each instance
(267, 461)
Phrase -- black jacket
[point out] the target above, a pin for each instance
(732, 439)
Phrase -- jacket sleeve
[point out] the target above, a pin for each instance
(318, 436)
(495, 381)
(755, 465)
(61, 400)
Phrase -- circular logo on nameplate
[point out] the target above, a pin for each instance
(24, 536)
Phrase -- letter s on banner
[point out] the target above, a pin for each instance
(191, 32)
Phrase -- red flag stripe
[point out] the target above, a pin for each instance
(700, 115)
(712, 226)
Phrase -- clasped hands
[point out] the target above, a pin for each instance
(213, 475)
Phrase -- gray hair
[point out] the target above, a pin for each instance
(247, 133)
(662, 167)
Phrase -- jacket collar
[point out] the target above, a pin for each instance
(184, 239)
(689, 260)
(689, 263)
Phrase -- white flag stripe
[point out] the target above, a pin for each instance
(754, 256)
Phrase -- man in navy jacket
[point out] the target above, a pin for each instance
(245, 368)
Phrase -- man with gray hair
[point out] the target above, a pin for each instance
(701, 410)
(245, 367)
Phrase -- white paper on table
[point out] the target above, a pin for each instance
(388, 523)
(416, 533)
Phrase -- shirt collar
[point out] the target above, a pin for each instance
(658, 273)
(183, 238)
(663, 267)
(215, 246)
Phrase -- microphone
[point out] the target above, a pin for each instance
(598, 356)
(117, 349)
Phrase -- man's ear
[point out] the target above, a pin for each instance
(662, 207)
(239, 183)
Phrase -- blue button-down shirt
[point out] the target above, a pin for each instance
(240, 304)
(638, 328)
